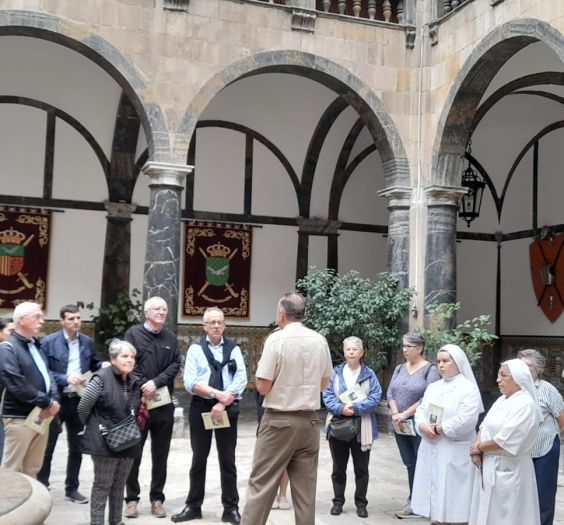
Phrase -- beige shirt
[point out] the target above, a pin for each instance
(295, 359)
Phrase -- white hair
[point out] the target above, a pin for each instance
(24, 309)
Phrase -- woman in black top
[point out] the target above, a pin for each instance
(110, 396)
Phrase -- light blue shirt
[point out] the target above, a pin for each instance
(197, 369)
(40, 364)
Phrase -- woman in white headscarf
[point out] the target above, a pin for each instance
(505, 489)
(446, 420)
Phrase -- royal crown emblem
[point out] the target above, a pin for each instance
(11, 236)
(218, 250)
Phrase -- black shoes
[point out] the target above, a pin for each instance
(361, 512)
(336, 509)
(231, 516)
(186, 514)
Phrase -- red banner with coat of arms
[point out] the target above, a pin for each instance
(24, 253)
(217, 269)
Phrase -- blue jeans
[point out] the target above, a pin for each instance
(1, 439)
(546, 472)
(408, 446)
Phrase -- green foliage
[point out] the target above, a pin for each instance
(339, 306)
(113, 320)
(469, 335)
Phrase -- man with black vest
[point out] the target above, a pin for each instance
(216, 376)
(157, 364)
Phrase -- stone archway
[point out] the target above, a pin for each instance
(454, 127)
(354, 92)
(109, 58)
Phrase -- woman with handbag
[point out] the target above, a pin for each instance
(108, 408)
(407, 386)
(351, 399)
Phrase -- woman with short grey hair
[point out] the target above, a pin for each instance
(546, 450)
(110, 397)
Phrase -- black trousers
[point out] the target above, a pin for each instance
(340, 453)
(159, 425)
(68, 415)
(200, 440)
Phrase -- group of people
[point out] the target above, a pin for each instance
(507, 472)
(504, 474)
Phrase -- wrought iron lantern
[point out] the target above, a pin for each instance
(471, 201)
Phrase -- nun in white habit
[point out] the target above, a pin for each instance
(446, 420)
(505, 488)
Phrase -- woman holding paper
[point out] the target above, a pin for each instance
(353, 391)
(446, 419)
(407, 386)
(110, 396)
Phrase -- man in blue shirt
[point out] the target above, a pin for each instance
(70, 356)
(216, 376)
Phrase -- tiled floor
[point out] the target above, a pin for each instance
(386, 494)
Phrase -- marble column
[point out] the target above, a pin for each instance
(399, 198)
(162, 258)
(117, 251)
(440, 258)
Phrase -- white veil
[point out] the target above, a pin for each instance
(459, 357)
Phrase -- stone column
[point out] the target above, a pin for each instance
(162, 259)
(440, 258)
(399, 198)
(117, 251)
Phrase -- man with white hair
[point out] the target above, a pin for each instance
(28, 384)
(157, 364)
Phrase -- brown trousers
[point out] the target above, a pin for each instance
(286, 441)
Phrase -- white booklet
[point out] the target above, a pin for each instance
(162, 397)
(34, 421)
(79, 389)
(353, 395)
(210, 423)
(434, 414)
(405, 428)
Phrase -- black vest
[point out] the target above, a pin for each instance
(111, 407)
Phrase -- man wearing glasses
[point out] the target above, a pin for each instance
(216, 376)
(156, 365)
(28, 385)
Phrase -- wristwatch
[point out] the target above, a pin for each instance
(212, 393)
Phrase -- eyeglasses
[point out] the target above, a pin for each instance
(215, 323)
(159, 309)
(411, 346)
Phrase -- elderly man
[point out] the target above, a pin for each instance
(546, 451)
(216, 376)
(294, 368)
(157, 364)
(28, 384)
(70, 355)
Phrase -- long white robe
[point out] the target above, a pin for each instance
(506, 492)
(444, 474)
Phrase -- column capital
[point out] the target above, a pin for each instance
(166, 173)
(121, 210)
(398, 196)
(444, 195)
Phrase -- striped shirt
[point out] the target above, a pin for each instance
(92, 393)
(551, 405)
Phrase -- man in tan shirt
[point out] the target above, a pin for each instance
(294, 368)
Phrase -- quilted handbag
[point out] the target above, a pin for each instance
(122, 435)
